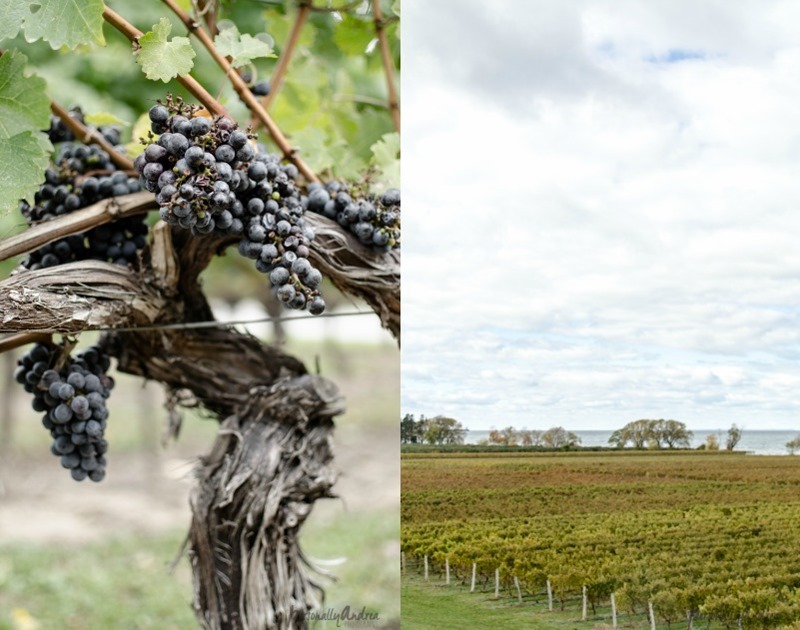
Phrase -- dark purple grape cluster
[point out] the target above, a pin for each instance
(59, 132)
(83, 175)
(209, 177)
(374, 220)
(72, 395)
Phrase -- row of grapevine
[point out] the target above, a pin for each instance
(720, 549)
(757, 607)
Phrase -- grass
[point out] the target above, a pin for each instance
(102, 585)
(433, 605)
(369, 576)
(438, 607)
(125, 582)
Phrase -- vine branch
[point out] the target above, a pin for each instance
(22, 339)
(353, 268)
(105, 211)
(276, 80)
(386, 57)
(86, 135)
(241, 88)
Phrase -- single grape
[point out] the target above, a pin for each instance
(159, 114)
(316, 306)
(66, 391)
(279, 276)
(286, 293)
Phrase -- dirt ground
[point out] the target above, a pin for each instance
(40, 503)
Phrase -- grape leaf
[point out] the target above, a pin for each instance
(163, 59)
(317, 151)
(24, 106)
(25, 157)
(353, 34)
(279, 25)
(12, 12)
(140, 130)
(241, 48)
(69, 23)
(24, 150)
(386, 157)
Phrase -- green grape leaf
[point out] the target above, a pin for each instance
(24, 105)
(99, 119)
(69, 23)
(24, 150)
(12, 12)
(386, 157)
(279, 25)
(25, 157)
(162, 59)
(353, 34)
(241, 48)
(313, 142)
(396, 7)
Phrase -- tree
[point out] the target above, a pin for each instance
(443, 430)
(673, 434)
(793, 445)
(712, 442)
(409, 430)
(652, 434)
(505, 437)
(272, 457)
(638, 433)
(558, 437)
(734, 435)
(530, 437)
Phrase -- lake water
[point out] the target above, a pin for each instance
(756, 442)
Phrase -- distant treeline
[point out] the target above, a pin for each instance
(644, 434)
(494, 448)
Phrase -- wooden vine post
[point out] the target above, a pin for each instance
(272, 458)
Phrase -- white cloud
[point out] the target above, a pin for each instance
(594, 233)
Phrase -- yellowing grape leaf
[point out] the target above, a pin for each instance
(162, 59)
(141, 129)
(99, 119)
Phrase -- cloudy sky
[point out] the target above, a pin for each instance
(602, 212)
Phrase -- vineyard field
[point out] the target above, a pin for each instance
(709, 537)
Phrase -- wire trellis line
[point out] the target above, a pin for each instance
(207, 324)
